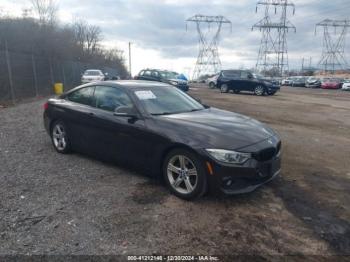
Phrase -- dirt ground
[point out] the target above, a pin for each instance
(71, 204)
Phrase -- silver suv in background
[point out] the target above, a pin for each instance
(92, 75)
(211, 81)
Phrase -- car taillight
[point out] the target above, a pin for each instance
(46, 106)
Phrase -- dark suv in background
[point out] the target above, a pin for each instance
(164, 76)
(244, 80)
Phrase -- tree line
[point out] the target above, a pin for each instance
(44, 35)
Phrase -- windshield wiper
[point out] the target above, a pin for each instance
(161, 114)
(196, 109)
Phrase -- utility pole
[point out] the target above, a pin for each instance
(302, 65)
(333, 52)
(130, 75)
(9, 71)
(208, 29)
(273, 51)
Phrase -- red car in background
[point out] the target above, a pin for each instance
(332, 83)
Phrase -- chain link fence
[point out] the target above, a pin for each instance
(24, 75)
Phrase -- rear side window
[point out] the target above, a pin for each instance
(147, 73)
(232, 74)
(109, 98)
(82, 96)
(245, 74)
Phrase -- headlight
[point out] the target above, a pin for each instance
(173, 83)
(227, 156)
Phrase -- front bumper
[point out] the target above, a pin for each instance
(273, 88)
(237, 179)
(313, 85)
(183, 87)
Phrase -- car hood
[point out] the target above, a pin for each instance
(181, 81)
(215, 128)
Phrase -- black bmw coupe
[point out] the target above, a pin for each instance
(160, 128)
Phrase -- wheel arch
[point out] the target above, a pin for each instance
(171, 147)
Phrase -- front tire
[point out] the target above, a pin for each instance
(184, 174)
(224, 88)
(259, 90)
(59, 137)
(211, 85)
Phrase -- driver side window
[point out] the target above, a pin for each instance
(109, 98)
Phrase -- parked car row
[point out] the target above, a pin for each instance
(317, 82)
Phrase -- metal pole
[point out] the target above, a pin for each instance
(51, 72)
(130, 75)
(35, 78)
(63, 75)
(8, 62)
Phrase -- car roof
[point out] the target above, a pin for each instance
(134, 84)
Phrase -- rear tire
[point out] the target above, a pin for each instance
(60, 137)
(211, 85)
(224, 88)
(184, 174)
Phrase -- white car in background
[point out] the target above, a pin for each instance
(211, 81)
(92, 75)
(346, 85)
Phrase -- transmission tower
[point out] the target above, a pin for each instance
(208, 28)
(333, 53)
(273, 51)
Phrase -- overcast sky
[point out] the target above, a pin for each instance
(157, 29)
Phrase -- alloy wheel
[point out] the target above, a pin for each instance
(182, 174)
(59, 137)
(224, 89)
(259, 90)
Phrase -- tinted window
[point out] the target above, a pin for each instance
(168, 74)
(154, 74)
(147, 73)
(234, 74)
(109, 98)
(82, 96)
(245, 74)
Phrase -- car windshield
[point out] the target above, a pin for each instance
(92, 73)
(167, 100)
(168, 75)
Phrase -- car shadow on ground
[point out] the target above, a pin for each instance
(317, 215)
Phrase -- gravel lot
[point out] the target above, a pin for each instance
(71, 204)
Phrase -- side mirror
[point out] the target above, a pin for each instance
(125, 111)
